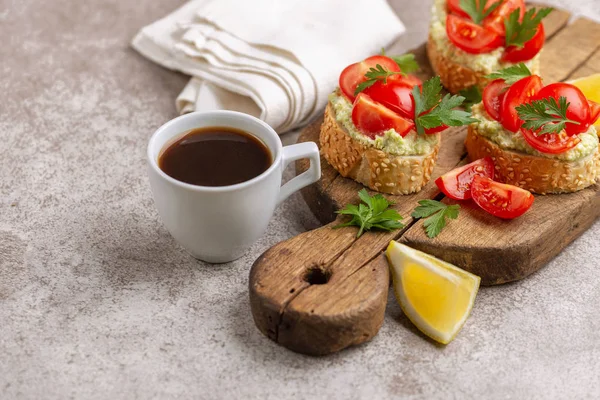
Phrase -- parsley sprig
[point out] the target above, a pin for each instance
(435, 213)
(518, 33)
(546, 115)
(477, 9)
(472, 96)
(432, 110)
(377, 73)
(511, 74)
(372, 213)
(406, 63)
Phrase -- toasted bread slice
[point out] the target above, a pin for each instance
(456, 77)
(372, 167)
(537, 174)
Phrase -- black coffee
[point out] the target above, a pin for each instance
(215, 156)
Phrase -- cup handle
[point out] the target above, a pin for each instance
(296, 152)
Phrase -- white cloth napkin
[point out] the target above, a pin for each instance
(275, 59)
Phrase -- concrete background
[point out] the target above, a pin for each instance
(98, 302)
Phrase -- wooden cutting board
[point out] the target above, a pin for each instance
(325, 290)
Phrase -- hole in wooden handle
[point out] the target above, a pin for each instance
(317, 275)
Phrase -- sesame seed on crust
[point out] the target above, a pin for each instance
(372, 167)
(456, 77)
(537, 174)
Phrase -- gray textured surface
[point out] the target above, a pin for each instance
(98, 302)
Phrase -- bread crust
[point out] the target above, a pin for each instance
(372, 167)
(536, 174)
(456, 77)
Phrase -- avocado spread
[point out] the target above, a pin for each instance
(485, 63)
(390, 141)
(494, 131)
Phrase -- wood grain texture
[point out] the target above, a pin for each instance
(589, 67)
(348, 309)
(569, 49)
(323, 207)
(501, 251)
(554, 22)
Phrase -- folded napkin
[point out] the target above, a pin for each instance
(274, 59)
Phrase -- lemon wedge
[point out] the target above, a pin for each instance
(590, 86)
(435, 295)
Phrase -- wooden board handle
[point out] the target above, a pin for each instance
(306, 298)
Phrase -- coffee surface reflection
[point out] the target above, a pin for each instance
(215, 156)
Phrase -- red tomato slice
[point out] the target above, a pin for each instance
(354, 74)
(470, 37)
(578, 110)
(519, 93)
(594, 111)
(495, 21)
(431, 131)
(529, 50)
(410, 79)
(372, 118)
(456, 184)
(499, 199)
(455, 8)
(551, 143)
(395, 95)
(493, 94)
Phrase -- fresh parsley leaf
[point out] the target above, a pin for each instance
(518, 33)
(511, 74)
(444, 114)
(472, 96)
(430, 96)
(427, 207)
(545, 116)
(365, 198)
(435, 213)
(434, 111)
(437, 222)
(372, 213)
(377, 73)
(406, 63)
(477, 9)
(362, 86)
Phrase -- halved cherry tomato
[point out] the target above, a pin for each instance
(499, 199)
(594, 111)
(372, 118)
(431, 131)
(455, 8)
(354, 74)
(456, 184)
(495, 21)
(395, 95)
(470, 37)
(493, 94)
(578, 109)
(410, 79)
(522, 91)
(529, 50)
(551, 143)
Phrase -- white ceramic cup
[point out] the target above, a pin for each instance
(218, 224)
